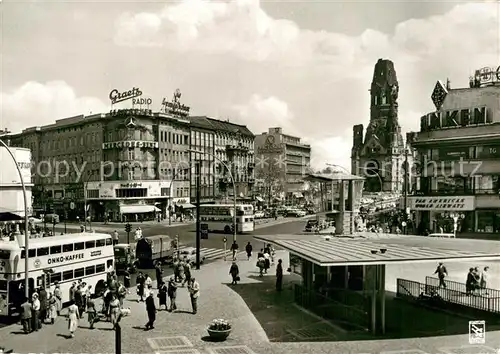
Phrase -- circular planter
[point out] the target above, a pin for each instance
(218, 335)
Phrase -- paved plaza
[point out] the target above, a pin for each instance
(182, 332)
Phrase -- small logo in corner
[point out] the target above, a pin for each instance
(477, 332)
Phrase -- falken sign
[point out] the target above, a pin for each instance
(442, 203)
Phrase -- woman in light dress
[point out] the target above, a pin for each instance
(73, 317)
(52, 314)
(114, 310)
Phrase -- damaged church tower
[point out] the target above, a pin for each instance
(379, 156)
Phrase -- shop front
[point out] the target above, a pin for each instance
(444, 214)
(127, 200)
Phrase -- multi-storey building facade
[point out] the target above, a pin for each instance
(224, 143)
(458, 159)
(282, 161)
(130, 163)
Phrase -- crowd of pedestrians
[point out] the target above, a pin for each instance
(476, 282)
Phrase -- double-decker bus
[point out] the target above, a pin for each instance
(219, 217)
(64, 259)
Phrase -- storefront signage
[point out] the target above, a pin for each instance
(130, 144)
(454, 154)
(95, 253)
(490, 151)
(180, 201)
(116, 96)
(174, 107)
(454, 118)
(442, 203)
(130, 112)
(486, 75)
(130, 185)
(141, 101)
(270, 146)
(63, 259)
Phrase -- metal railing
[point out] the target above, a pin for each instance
(487, 300)
(341, 305)
(483, 299)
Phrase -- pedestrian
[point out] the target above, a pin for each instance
(58, 296)
(126, 279)
(72, 291)
(35, 312)
(442, 272)
(114, 310)
(91, 312)
(187, 272)
(52, 313)
(279, 275)
(177, 270)
(194, 293)
(26, 315)
(261, 264)
(234, 249)
(469, 283)
(148, 282)
(162, 296)
(151, 310)
(172, 293)
(79, 299)
(267, 262)
(249, 249)
(43, 297)
(484, 278)
(181, 268)
(116, 238)
(234, 271)
(159, 274)
(73, 317)
(140, 286)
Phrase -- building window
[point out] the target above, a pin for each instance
(488, 221)
(131, 154)
(93, 193)
(131, 193)
(165, 192)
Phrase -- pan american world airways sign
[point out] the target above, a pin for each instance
(442, 203)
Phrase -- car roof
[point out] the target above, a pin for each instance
(188, 249)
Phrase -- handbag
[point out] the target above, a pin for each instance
(237, 278)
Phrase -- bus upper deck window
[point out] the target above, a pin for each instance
(55, 249)
(44, 251)
(90, 244)
(68, 247)
(79, 246)
(109, 242)
(100, 243)
(31, 253)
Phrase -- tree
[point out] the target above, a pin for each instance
(271, 178)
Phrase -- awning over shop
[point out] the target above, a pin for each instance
(187, 206)
(138, 209)
(298, 195)
(6, 216)
(259, 199)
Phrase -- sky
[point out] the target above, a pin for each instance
(305, 66)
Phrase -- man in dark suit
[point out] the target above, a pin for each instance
(151, 310)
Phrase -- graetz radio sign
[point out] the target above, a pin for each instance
(116, 96)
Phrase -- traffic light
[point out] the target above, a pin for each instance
(128, 227)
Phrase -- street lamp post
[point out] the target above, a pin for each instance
(170, 199)
(26, 221)
(234, 186)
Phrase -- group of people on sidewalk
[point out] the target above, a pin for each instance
(41, 308)
(167, 291)
(265, 259)
(475, 281)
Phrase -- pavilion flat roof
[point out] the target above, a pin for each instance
(339, 251)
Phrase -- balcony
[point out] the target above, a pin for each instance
(236, 148)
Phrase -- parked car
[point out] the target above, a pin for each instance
(295, 213)
(311, 225)
(259, 215)
(189, 253)
(51, 218)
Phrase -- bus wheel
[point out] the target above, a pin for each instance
(99, 289)
(227, 229)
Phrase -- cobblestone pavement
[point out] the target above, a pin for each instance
(182, 332)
